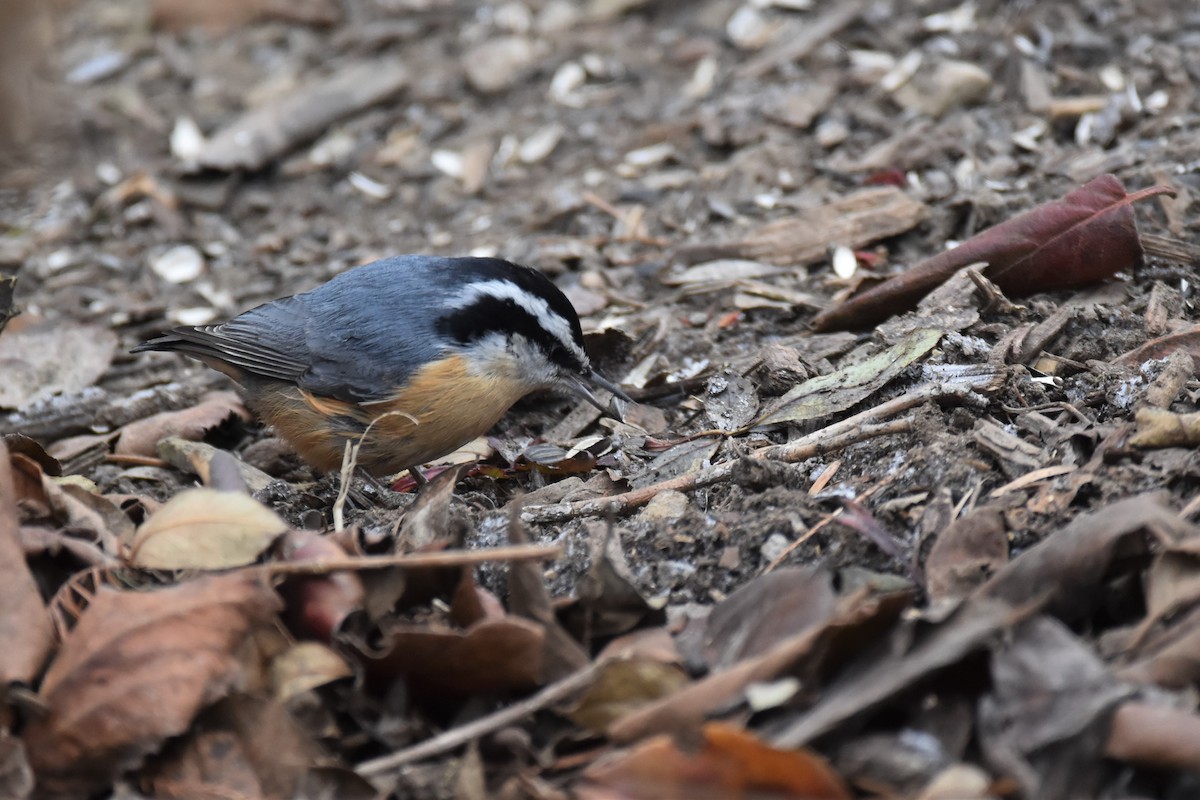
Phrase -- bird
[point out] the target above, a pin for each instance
(406, 358)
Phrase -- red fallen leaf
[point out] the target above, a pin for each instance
(316, 605)
(136, 670)
(891, 176)
(1083, 238)
(729, 763)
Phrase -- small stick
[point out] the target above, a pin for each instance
(812, 445)
(457, 737)
(445, 558)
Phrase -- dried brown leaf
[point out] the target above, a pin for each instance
(25, 627)
(495, 655)
(135, 670)
(243, 747)
(193, 424)
(968, 552)
(528, 597)
(868, 685)
(1046, 718)
(769, 609)
(306, 666)
(729, 763)
(858, 620)
(624, 685)
(317, 605)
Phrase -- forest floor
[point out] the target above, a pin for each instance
(965, 567)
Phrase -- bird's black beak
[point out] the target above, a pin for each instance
(580, 385)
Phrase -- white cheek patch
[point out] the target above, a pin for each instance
(552, 322)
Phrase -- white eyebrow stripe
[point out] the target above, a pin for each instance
(551, 321)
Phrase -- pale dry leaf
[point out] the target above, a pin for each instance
(51, 358)
(205, 529)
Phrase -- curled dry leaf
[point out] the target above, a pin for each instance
(317, 605)
(966, 553)
(495, 655)
(25, 627)
(205, 529)
(217, 468)
(1044, 720)
(729, 763)
(1083, 238)
(623, 685)
(838, 390)
(135, 670)
(141, 438)
(244, 747)
(529, 598)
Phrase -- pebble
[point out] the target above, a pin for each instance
(774, 547)
(181, 264)
(496, 65)
(748, 29)
(947, 85)
(665, 507)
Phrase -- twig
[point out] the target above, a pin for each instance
(804, 38)
(445, 558)
(457, 737)
(812, 445)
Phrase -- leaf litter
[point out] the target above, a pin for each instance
(952, 554)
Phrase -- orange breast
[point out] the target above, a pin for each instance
(444, 407)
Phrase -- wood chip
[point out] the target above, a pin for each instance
(262, 134)
(853, 221)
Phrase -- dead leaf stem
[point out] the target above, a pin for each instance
(446, 558)
(457, 737)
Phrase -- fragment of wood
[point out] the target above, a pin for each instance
(1171, 249)
(94, 409)
(1015, 454)
(1157, 427)
(1164, 304)
(1067, 108)
(1174, 206)
(800, 37)
(262, 134)
(1044, 332)
(853, 221)
(1163, 390)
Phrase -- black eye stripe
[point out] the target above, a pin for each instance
(489, 315)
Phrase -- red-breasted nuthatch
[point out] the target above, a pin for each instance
(413, 356)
